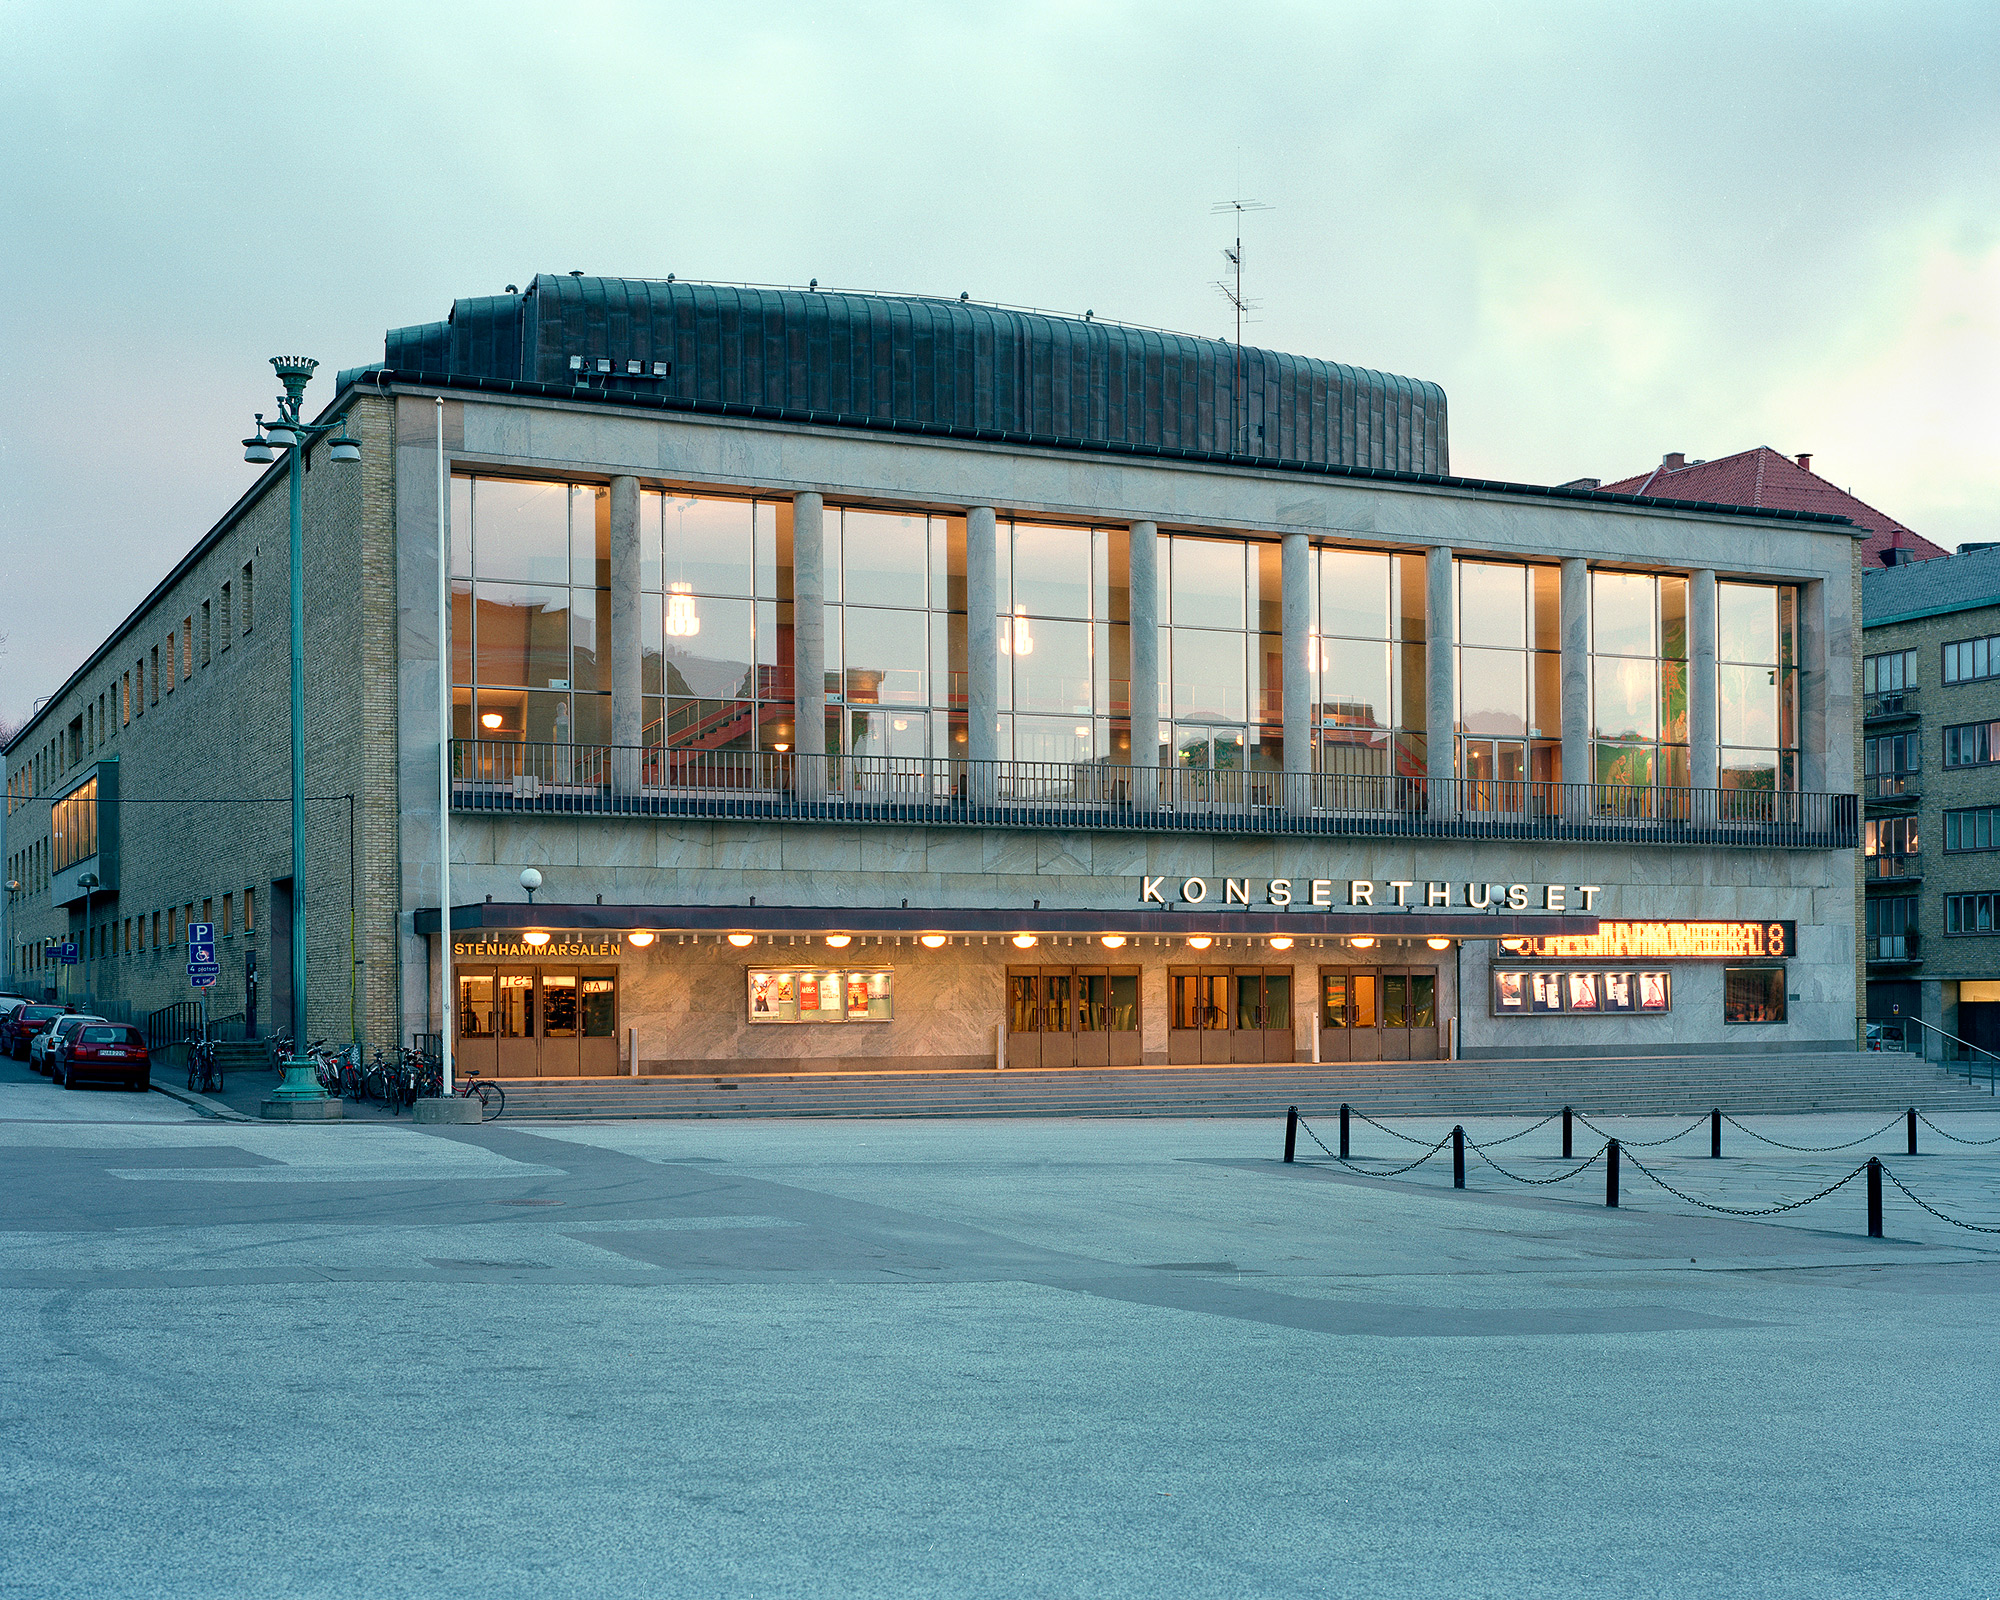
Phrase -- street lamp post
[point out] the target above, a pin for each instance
(88, 884)
(291, 431)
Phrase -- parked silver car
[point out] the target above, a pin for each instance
(45, 1054)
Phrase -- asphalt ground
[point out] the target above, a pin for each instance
(982, 1358)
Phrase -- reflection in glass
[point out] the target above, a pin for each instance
(714, 664)
(705, 543)
(1746, 623)
(461, 527)
(885, 557)
(1354, 683)
(1207, 587)
(589, 646)
(1052, 570)
(461, 632)
(1622, 614)
(1354, 594)
(1055, 1000)
(1492, 692)
(1625, 765)
(522, 635)
(521, 530)
(600, 1004)
(1208, 676)
(1626, 696)
(559, 1017)
(1124, 1008)
(1063, 740)
(1333, 1000)
(1056, 675)
(887, 656)
(1749, 698)
(590, 536)
(475, 1005)
(887, 732)
(515, 1016)
(1673, 618)
(1024, 1012)
(1547, 603)
(1493, 605)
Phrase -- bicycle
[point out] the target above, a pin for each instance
(491, 1097)
(204, 1076)
(353, 1081)
(281, 1052)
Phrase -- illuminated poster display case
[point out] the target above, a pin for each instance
(820, 994)
(1559, 992)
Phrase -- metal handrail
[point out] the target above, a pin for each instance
(1992, 1072)
(498, 775)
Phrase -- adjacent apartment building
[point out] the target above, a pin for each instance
(893, 680)
(1930, 680)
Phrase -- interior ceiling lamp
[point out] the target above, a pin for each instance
(1438, 944)
(1024, 941)
(640, 939)
(1200, 941)
(682, 623)
(1362, 943)
(1512, 944)
(489, 719)
(931, 941)
(536, 938)
(1112, 941)
(1017, 640)
(840, 941)
(1281, 943)
(742, 939)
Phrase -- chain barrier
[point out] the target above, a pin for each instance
(1588, 1163)
(1391, 1132)
(1510, 1138)
(1954, 1138)
(1640, 1144)
(1433, 1150)
(1737, 1211)
(1972, 1227)
(1814, 1149)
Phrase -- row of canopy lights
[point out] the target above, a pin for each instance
(1022, 941)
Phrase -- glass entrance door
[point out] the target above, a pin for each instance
(477, 1050)
(515, 1048)
(1378, 1015)
(538, 1022)
(1073, 1017)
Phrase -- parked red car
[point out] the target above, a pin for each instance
(25, 1024)
(107, 1051)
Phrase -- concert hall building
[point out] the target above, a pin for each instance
(882, 682)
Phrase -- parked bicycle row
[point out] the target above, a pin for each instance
(398, 1080)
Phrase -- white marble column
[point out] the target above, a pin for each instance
(809, 643)
(627, 706)
(1702, 759)
(1143, 590)
(1441, 710)
(982, 634)
(1577, 766)
(1297, 686)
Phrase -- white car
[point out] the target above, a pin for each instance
(46, 1051)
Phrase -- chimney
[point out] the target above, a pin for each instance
(1805, 461)
(1673, 461)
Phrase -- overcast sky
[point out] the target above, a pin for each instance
(1609, 231)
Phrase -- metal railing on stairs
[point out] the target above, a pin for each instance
(1945, 1061)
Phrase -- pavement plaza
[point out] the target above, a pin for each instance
(979, 1358)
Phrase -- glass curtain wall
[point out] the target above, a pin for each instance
(1639, 680)
(1065, 645)
(715, 618)
(531, 611)
(1221, 659)
(1509, 682)
(1368, 655)
(1757, 685)
(895, 634)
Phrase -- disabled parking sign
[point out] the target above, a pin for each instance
(202, 967)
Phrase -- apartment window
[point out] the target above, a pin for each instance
(1889, 847)
(243, 597)
(128, 936)
(208, 913)
(187, 917)
(249, 910)
(125, 701)
(1971, 744)
(1891, 765)
(228, 915)
(204, 633)
(172, 937)
(1890, 928)
(187, 647)
(1890, 671)
(1966, 660)
(1969, 913)
(173, 649)
(1638, 680)
(226, 615)
(156, 675)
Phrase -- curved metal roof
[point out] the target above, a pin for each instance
(948, 366)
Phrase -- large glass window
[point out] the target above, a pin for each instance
(1370, 696)
(1889, 847)
(1757, 690)
(1895, 670)
(531, 611)
(1638, 679)
(1065, 644)
(1221, 655)
(73, 825)
(1753, 994)
(715, 618)
(1965, 661)
(895, 633)
(1509, 679)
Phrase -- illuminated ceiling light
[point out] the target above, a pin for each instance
(535, 938)
(1281, 943)
(1362, 943)
(640, 939)
(1112, 941)
(781, 748)
(840, 941)
(1081, 732)
(1200, 941)
(741, 939)
(1024, 941)
(1438, 944)
(1017, 640)
(489, 719)
(682, 623)
(901, 724)
(931, 941)
(1512, 944)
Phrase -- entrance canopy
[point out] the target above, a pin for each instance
(1415, 923)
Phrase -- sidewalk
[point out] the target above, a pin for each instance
(244, 1092)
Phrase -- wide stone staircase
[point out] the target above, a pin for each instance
(1637, 1086)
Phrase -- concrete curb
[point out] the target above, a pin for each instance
(201, 1103)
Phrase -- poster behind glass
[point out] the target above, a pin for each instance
(1527, 992)
(820, 995)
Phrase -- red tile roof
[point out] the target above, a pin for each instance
(1763, 477)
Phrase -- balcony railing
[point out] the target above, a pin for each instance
(1892, 866)
(614, 780)
(1880, 707)
(1893, 786)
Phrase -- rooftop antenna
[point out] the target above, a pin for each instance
(1231, 289)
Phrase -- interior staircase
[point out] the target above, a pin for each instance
(1638, 1086)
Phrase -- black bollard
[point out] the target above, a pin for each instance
(1565, 1133)
(1343, 1130)
(1874, 1197)
(1611, 1173)
(1913, 1130)
(1291, 1132)
(1715, 1133)
(1458, 1157)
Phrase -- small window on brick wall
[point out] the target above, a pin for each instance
(227, 614)
(243, 599)
(204, 633)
